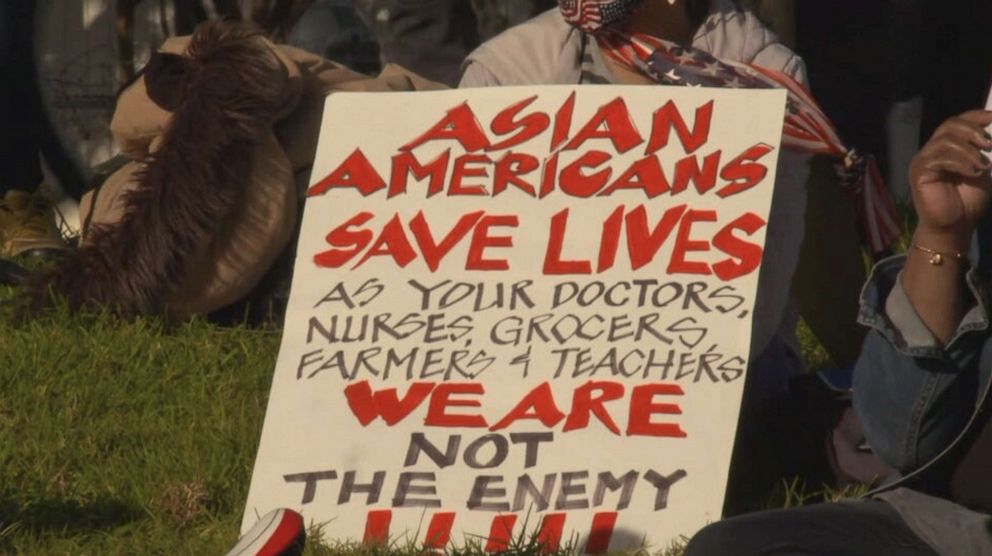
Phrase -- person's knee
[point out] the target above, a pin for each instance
(716, 539)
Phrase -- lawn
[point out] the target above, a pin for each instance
(136, 437)
(128, 438)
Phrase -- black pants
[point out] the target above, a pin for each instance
(869, 528)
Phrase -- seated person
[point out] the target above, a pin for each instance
(922, 384)
(586, 42)
(566, 46)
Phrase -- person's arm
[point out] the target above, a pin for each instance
(914, 394)
(476, 75)
(914, 384)
(950, 184)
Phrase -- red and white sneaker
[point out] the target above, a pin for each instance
(278, 533)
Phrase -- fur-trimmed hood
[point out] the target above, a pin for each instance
(220, 99)
(215, 130)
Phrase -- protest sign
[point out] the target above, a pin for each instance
(521, 309)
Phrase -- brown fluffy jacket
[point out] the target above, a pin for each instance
(224, 95)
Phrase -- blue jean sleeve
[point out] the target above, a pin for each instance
(912, 395)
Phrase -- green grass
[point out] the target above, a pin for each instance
(138, 438)
(127, 438)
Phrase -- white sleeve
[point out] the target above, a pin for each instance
(476, 75)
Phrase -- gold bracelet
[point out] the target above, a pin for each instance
(937, 257)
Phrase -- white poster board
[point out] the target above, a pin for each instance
(521, 307)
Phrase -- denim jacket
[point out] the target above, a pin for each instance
(916, 399)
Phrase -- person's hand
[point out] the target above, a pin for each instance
(950, 180)
(951, 188)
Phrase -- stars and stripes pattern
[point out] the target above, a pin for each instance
(806, 128)
(593, 15)
(504, 528)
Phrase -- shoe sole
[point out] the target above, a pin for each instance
(277, 533)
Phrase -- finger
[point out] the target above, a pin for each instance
(979, 121)
(967, 157)
(973, 134)
(965, 130)
(954, 145)
(981, 118)
(962, 160)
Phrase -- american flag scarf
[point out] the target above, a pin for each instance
(806, 129)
